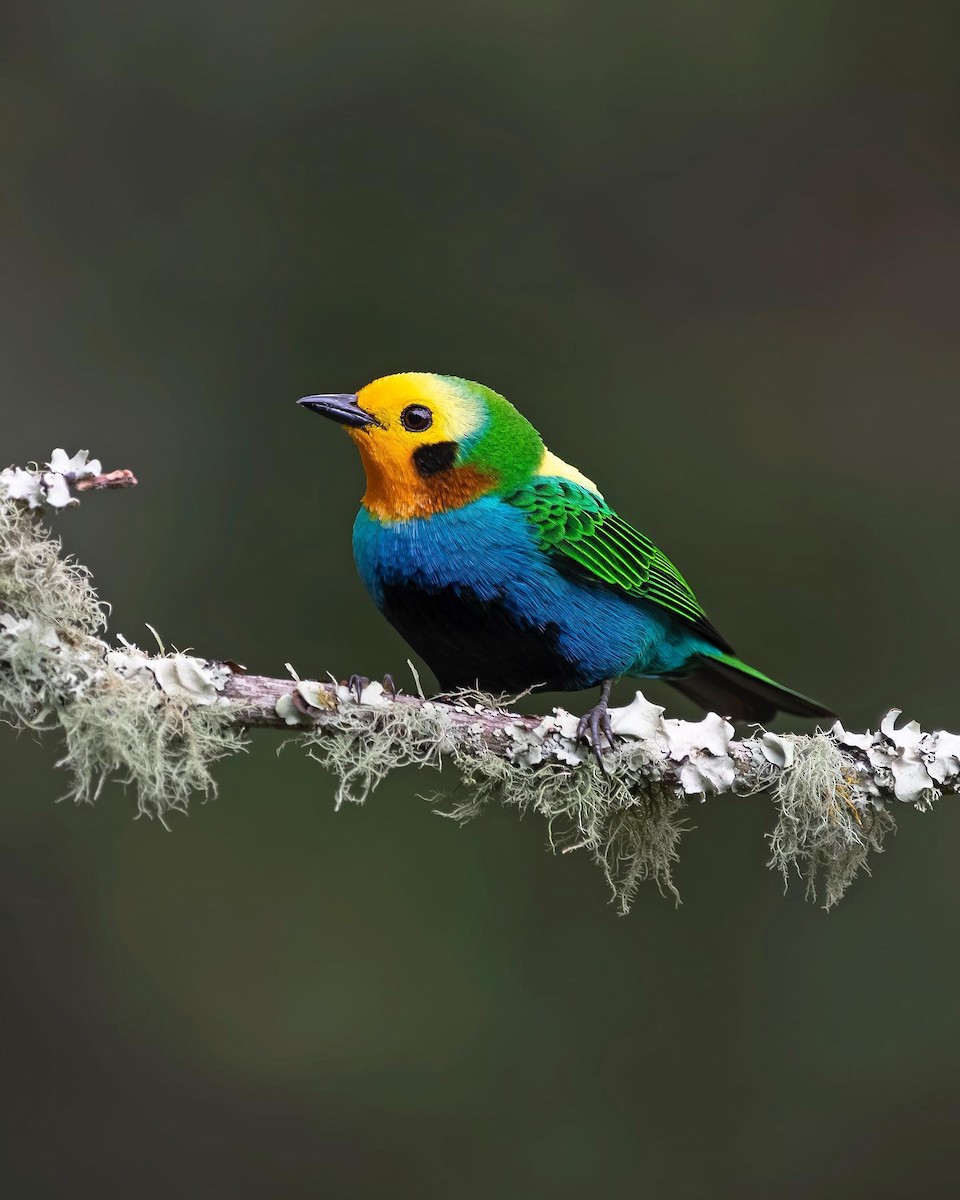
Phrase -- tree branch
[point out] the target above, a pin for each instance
(100, 483)
(159, 722)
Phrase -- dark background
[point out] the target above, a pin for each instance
(713, 251)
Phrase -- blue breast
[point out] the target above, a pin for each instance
(474, 594)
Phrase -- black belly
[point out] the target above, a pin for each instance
(470, 642)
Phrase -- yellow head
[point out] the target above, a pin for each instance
(430, 443)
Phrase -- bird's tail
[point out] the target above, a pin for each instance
(723, 684)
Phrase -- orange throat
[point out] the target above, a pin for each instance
(396, 491)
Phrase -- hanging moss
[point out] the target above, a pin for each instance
(821, 834)
(54, 673)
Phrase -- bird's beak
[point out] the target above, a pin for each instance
(342, 407)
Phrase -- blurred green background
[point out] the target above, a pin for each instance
(713, 251)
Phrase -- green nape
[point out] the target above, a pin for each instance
(506, 442)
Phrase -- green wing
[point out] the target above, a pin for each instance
(583, 534)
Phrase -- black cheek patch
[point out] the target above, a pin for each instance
(439, 456)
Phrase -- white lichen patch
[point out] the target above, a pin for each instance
(307, 700)
(49, 488)
(79, 466)
(908, 764)
(189, 680)
(777, 750)
(553, 739)
(695, 753)
(372, 695)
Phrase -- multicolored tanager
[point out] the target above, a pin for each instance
(505, 568)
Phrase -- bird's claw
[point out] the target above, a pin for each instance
(596, 722)
(356, 684)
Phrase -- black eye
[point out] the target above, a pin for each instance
(415, 418)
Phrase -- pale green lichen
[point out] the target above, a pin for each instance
(626, 820)
(49, 616)
(38, 581)
(825, 830)
(54, 672)
(130, 732)
(361, 745)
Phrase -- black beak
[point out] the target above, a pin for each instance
(341, 407)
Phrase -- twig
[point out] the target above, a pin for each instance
(98, 483)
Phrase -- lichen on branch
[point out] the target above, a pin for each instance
(159, 722)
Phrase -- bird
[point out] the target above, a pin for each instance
(507, 571)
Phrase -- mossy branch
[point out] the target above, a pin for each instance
(159, 722)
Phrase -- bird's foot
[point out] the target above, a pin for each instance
(596, 722)
(356, 684)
